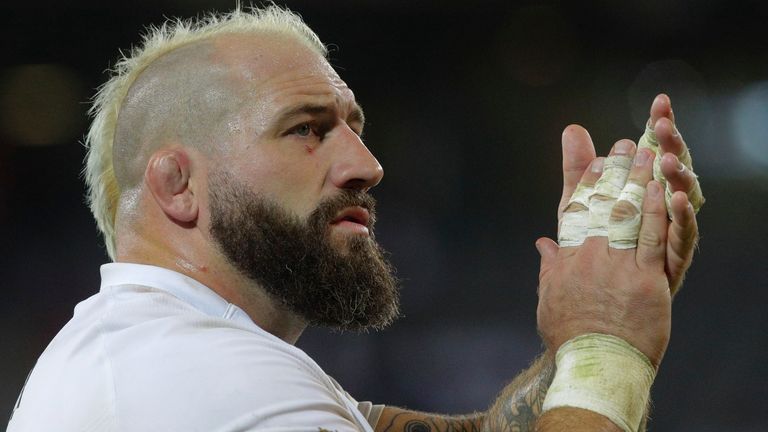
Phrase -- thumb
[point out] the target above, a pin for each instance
(548, 251)
(578, 153)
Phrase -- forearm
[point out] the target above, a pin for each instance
(400, 420)
(516, 409)
(519, 405)
(568, 419)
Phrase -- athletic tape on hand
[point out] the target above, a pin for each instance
(624, 230)
(607, 191)
(603, 374)
(589, 209)
(573, 225)
(648, 140)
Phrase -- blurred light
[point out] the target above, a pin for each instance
(40, 104)
(750, 126)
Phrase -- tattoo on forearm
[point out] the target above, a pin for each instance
(520, 415)
(411, 422)
(516, 410)
(520, 404)
(417, 426)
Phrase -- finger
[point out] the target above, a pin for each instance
(609, 186)
(661, 107)
(661, 111)
(680, 177)
(651, 243)
(572, 227)
(578, 152)
(624, 223)
(670, 141)
(682, 238)
(548, 252)
(662, 136)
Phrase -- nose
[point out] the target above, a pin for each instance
(354, 166)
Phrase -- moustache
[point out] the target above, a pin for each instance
(327, 210)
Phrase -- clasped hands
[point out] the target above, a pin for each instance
(590, 285)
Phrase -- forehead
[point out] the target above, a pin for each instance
(281, 69)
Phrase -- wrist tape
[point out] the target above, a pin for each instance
(603, 374)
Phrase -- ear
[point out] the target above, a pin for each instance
(167, 176)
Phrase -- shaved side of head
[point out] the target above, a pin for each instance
(170, 90)
(185, 98)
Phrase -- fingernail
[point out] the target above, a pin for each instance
(622, 147)
(538, 248)
(597, 165)
(680, 166)
(642, 157)
(654, 189)
(675, 132)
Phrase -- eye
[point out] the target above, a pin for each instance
(303, 130)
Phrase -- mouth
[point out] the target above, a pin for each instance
(355, 214)
(353, 218)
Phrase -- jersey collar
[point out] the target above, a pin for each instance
(181, 286)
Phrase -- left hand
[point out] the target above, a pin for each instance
(579, 151)
(683, 233)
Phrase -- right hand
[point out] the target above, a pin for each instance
(595, 289)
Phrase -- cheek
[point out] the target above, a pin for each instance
(295, 180)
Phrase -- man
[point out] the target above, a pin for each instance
(228, 176)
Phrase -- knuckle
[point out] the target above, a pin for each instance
(649, 239)
(646, 290)
(654, 210)
(622, 211)
(574, 207)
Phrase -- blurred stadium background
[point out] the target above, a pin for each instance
(466, 102)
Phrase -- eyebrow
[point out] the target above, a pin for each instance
(314, 109)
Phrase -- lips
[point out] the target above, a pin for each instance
(355, 214)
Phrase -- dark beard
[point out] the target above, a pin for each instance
(295, 262)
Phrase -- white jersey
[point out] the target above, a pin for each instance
(155, 350)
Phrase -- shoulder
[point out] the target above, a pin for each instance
(212, 371)
(141, 359)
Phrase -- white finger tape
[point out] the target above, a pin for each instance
(649, 141)
(607, 190)
(623, 233)
(573, 225)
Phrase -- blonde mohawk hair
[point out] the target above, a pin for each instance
(103, 189)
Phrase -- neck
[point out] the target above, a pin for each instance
(220, 277)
